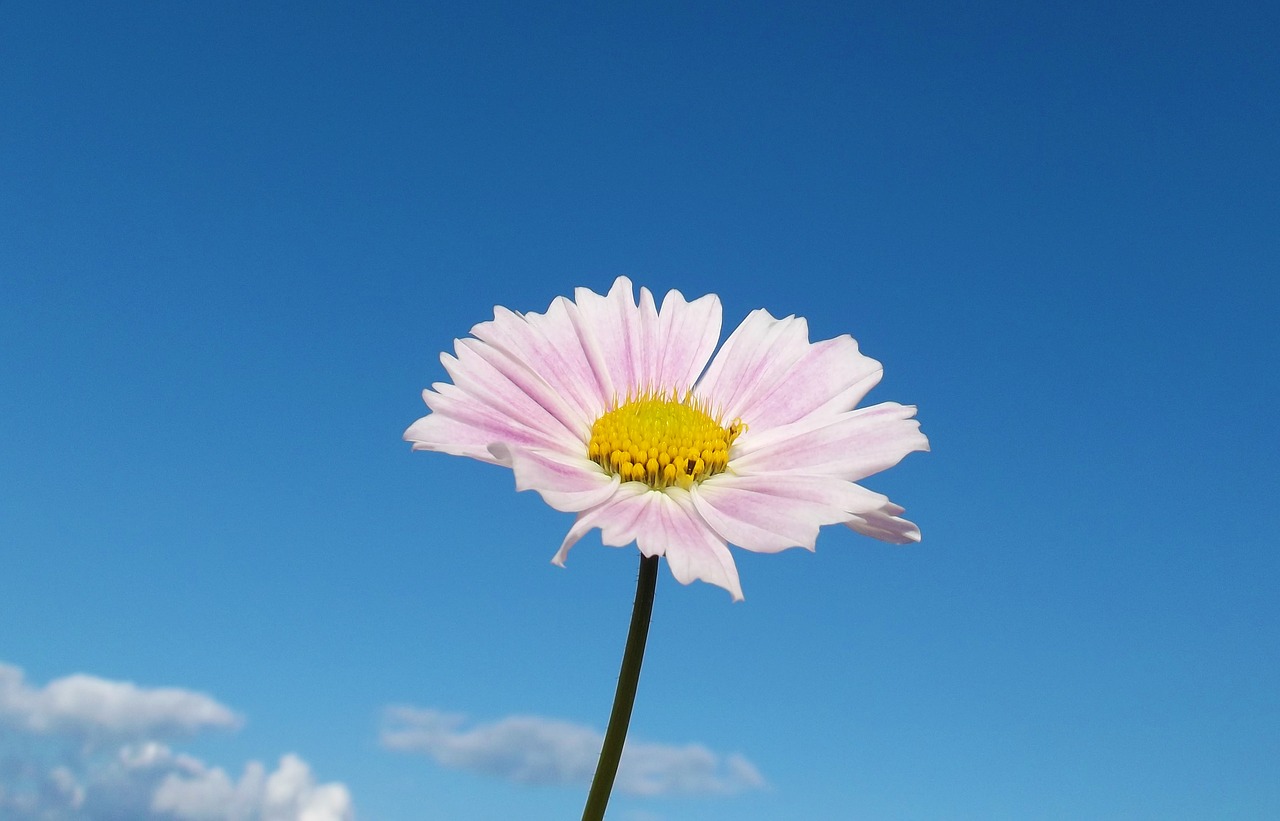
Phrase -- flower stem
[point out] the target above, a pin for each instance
(625, 697)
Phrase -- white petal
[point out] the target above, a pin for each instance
(852, 446)
(565, 481)
(660, 523)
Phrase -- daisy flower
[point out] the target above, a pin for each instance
(618, 412)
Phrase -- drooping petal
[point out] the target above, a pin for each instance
(661, 523)
(872, 514)
(567, 482)
(851, 445)
(618, 513)
(694, 550)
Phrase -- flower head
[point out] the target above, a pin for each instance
(610, 410)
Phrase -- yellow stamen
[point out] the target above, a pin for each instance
(663, 440)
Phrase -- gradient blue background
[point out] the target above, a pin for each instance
(234, 239)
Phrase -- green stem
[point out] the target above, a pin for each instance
(625, 697)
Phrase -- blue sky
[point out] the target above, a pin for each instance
(234, 240)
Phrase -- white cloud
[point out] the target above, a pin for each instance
(91, 707)
(288, 794)
(535, 750)
(83, 748)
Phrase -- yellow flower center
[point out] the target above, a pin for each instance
(662, 440)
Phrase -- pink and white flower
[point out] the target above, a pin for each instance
(610, 410)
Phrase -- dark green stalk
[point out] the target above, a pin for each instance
(625, 697)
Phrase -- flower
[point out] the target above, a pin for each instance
(610, 410)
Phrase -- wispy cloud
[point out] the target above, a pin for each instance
(84, 748)
(536, 750)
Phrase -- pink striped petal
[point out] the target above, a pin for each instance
(694, 551)
(462, 425)
(645, 341)
(444, 434)
(755, 357)
(689, 332)
(534, 385)
(832, 376)
(770, 513)
(485, 385)
(565, 481)
(549, 347)
(852, 445)
(773, 512)
(607, 326)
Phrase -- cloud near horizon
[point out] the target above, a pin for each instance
(544, 751)
(84, 748)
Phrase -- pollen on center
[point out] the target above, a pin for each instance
(663, 440)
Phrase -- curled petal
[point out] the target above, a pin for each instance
(885, 525)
